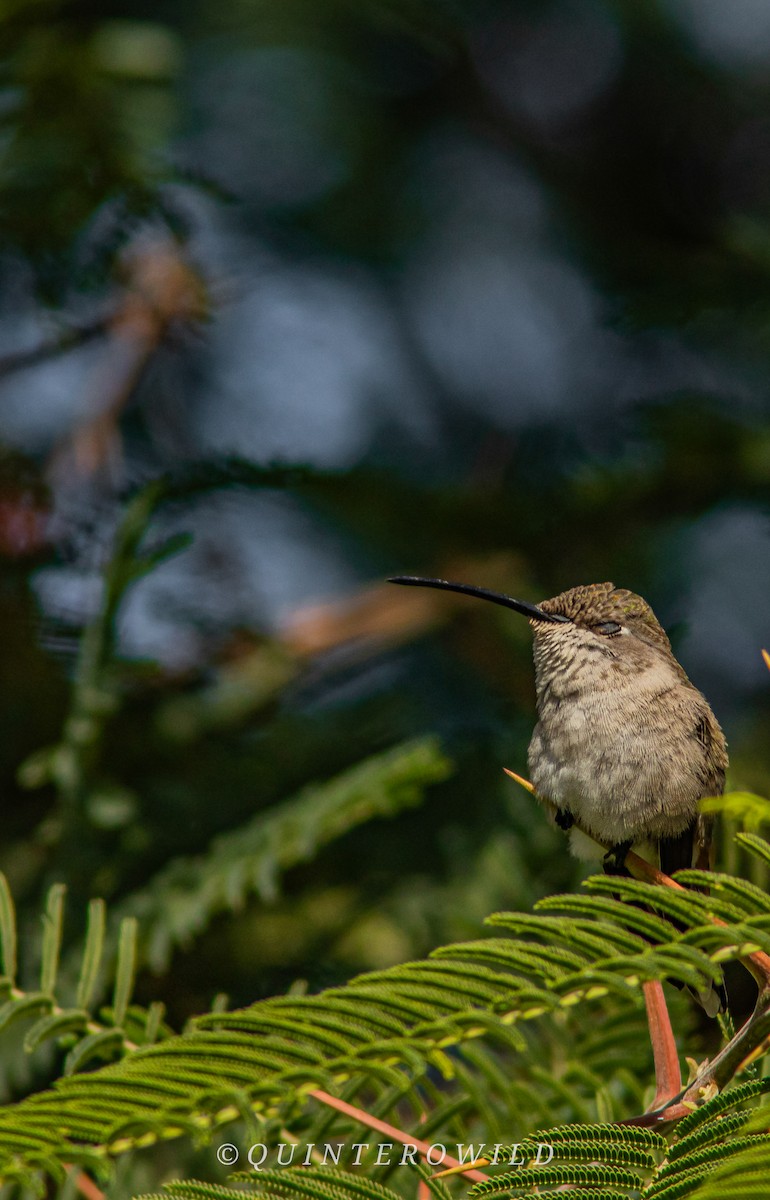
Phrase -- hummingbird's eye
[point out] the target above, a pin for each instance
(608, 628)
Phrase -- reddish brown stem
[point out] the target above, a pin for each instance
(86, 1186)
(668, 1077)
(398, 1135)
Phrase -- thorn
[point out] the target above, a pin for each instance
(477, 1162)
(525, 782)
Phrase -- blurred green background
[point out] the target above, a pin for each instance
(495, 278)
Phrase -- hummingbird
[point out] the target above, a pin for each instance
(625, 745)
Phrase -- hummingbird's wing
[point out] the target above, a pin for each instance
(703, 843)
(692, 848)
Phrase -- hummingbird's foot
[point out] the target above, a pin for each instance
(564, 818)
(614, 859)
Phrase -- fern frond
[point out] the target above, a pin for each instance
(515, 1183)
(755, 845)
(750, 810)
(588, 1155)
(630, 1137)
(184, 897)
(90, 1034)
(316, 1183)
(580, 935)
(745, 896)
(92, 953)
(272, 1051)
(585, 1193)
(687, 908)
(601, 911)
(729, 1099)
(386, 1031)
(708, 1131)
(744, 1175)
(295, 1182)
(7, 933)
(711, 1140)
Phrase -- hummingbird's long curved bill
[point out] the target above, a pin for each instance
(465, 589)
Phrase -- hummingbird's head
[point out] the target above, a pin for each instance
(608, 612)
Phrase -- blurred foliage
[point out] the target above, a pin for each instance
(496, 277)
(553, 999)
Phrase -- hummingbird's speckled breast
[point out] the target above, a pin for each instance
(617, 741)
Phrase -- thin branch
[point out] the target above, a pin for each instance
(86, 1186)
(717, 1073)
(162, 291)
(67, 340)
(398, 1135)
(668, 1077)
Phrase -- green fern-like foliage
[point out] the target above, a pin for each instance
(433, 1046)
(289, 1185)
(608, 1158)
(89, 1032)
(722, 1150)
(181, 899)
